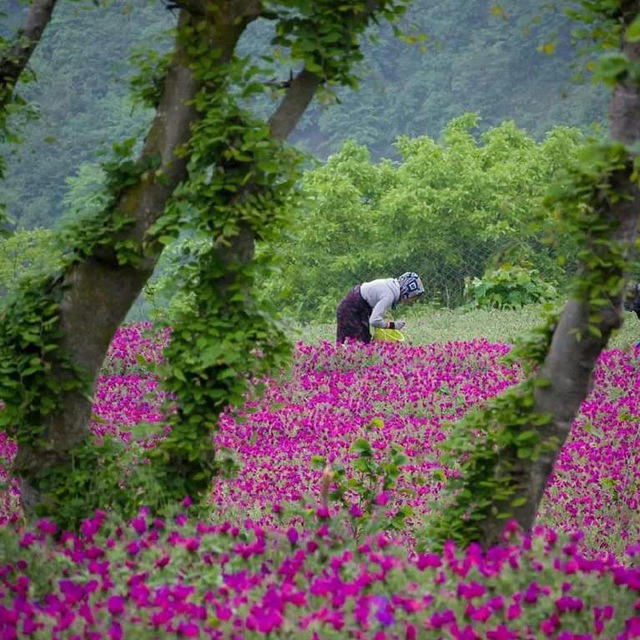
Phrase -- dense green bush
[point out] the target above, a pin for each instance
(509, 287)
(25, 253)
(450, 210)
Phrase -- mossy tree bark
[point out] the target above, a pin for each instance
(97, 291)
(575, 345)
(14, 61)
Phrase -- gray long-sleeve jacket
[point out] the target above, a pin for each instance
(380, 294)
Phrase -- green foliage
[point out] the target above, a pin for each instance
(87, 192)
(488, 442)
(239, 192)
(449, 211)
(26, 253)
(510, 287)
(220, 336)
(13, 107)
(366, 491)
(35, 372)
(589, 187)
(597, 24)
(162, 293)
(146, 84)
(323, 35)
(83, 232)
(531, 348)
(29, 342)
(100, 474)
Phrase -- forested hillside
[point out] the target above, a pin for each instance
(511, 60)
(477, 56)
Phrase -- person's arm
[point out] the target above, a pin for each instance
(377, 315)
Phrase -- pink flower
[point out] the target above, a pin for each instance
(355, 510)
(382, 498)
(322, 512)
(188, 630)
(292, 535)
(115, 605)
(514, 611)
(115, 631)
(550, 624)
(47, 526)
(501, 633)
(192, 544)
(27, 540)
(481, 614)
(428, 560)
(139, 525)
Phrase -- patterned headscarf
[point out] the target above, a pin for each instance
(410, 285)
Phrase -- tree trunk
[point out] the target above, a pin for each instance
(13, 63)
(98, 292)
(574, 349)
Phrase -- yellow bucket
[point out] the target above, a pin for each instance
(388, 335)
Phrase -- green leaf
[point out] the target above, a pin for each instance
(318, 461)
(361, 447)
(633, 31)
(611, 67)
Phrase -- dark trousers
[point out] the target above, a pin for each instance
(353, 317)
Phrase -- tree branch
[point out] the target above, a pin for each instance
(296, 99)
(574, 349)
(303, 87)
(13, 63)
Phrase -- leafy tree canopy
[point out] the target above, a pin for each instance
(447, 210)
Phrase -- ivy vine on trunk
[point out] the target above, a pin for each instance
(507, 451)
(206, 165)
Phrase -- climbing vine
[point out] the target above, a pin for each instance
(488, 445)
(240, 183)
(36, 373)
(239, 180)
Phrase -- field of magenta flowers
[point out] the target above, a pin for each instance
(277, 559)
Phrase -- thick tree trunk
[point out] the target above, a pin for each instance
(99, 291)
(574, 350)
(568, 368)
(14, 62)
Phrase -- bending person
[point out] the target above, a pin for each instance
(366, 304)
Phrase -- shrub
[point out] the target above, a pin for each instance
(509, 287)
